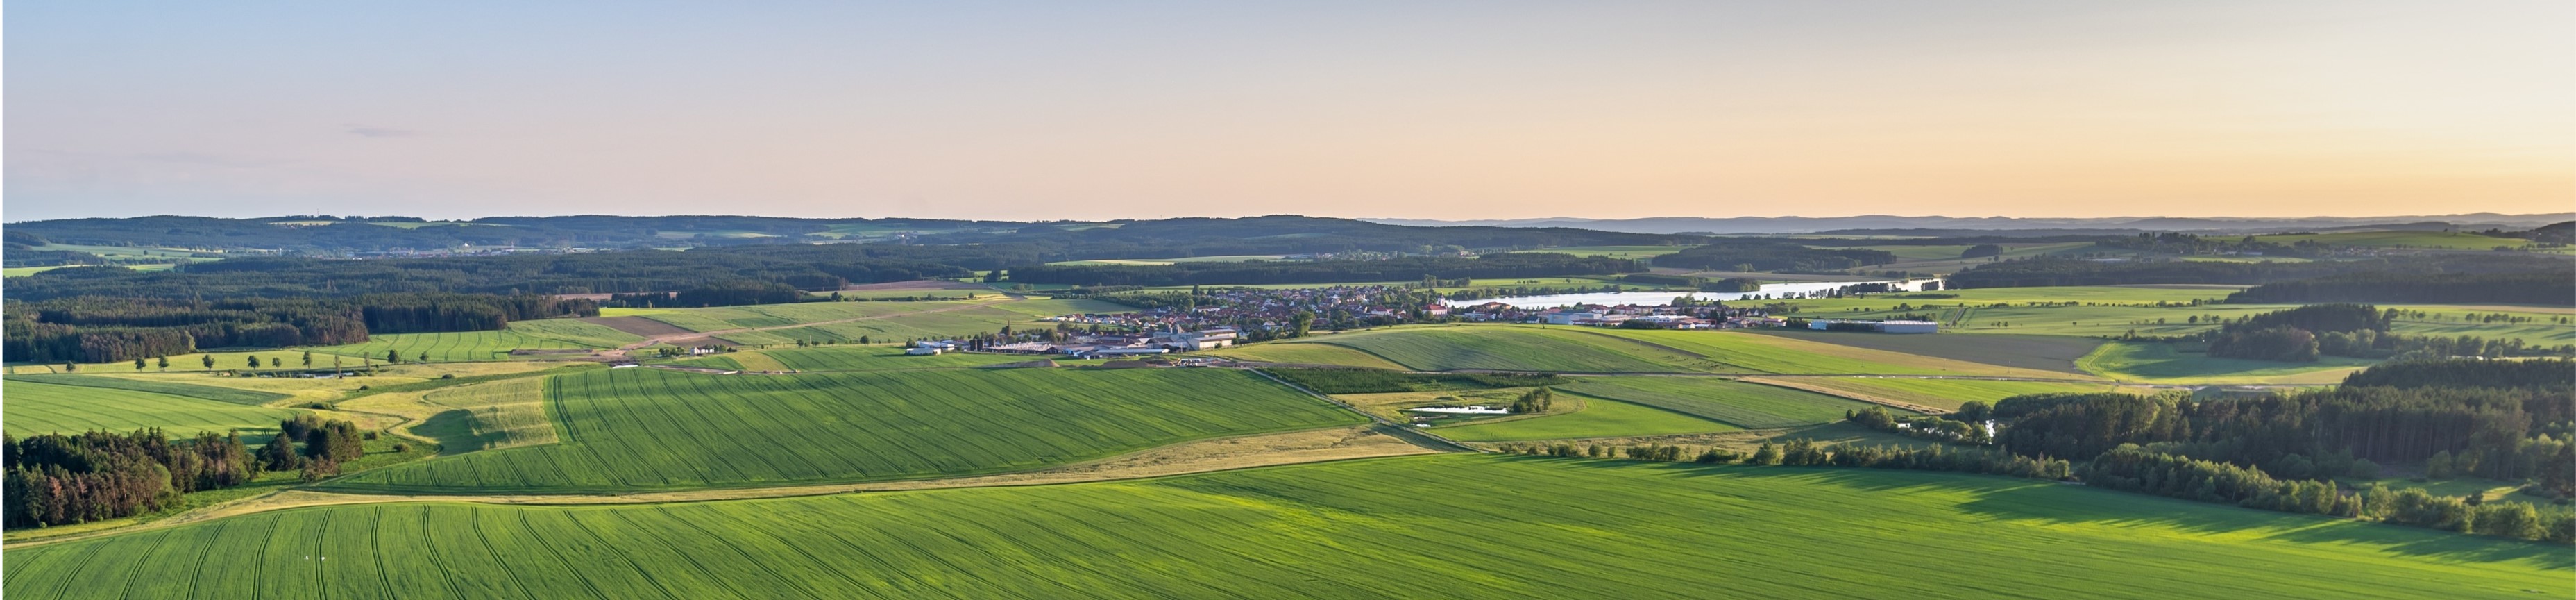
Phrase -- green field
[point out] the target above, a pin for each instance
(1598, 418)
(644, 429)
(2109, 311)
(1747, 405)
(160, 386)
(849, 358)
(484, 416)
(1415, 527)
(879, 321)
(575, 331)
(1945, 394)
(2044, 352)
(1512, 348)
(457, 346)
(2147, 362)
(38, 408)
(1747, 352)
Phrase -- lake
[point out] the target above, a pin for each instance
(1774, 290)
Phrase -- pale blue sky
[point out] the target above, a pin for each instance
(1484, 109)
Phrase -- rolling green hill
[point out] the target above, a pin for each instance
(38, 408)
(1438, 526)
(646, 429)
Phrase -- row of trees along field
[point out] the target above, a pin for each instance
(2044, 271)
(116, 329)
(1491, 266)
(2541, 286)
(2354, 330)
(1771, 254)
(56, 479)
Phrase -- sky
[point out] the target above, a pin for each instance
(1478, 109)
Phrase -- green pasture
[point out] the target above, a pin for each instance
(484, 416)
(38, 408)
(1517, 348)
(576, 331)
(1588, 417)
(646, 429)
(2149, 362)
(453, 346)
(160, 386)
(1946, 393)
(2043, 352)
(1747, 405)
(1745, 352)
(1411, 527)
(1305, 353)
(849, 358)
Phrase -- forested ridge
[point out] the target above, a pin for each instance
(1771, 254)
(1490, 266)
(115, 329)
(2554, 286)
(2034, 272)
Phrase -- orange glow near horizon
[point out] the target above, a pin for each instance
(1450, 111)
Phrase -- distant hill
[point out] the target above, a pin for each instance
(2106, 225)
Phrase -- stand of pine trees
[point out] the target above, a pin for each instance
(56, 479)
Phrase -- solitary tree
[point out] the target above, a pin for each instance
(424, 356)
(276, 362)
(254, 362)
(69, 367)
(165, 363)
(392, 357)
(209, 360)
(138, 363)
(308, 358)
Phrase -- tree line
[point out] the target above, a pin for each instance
(2546, 286)
(1771, 254)
(2051, 271)
(57, 479)
(117, 329)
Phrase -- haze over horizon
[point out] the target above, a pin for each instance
(1454, 111)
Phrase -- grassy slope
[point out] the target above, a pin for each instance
(1946, 393)
(854, 358)
(1774, 354)
(484, 416)
(575, 331)
(2165, 363)
(2043, 352)
(1307, 353)
(1598, 418)
(632, 429)
(1752, 406)
(161, 386)
(1512, 348)
(459, 346)
(1437, 526)
(35, 408)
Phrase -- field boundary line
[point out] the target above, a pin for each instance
(1807, 387)
(1391, 426)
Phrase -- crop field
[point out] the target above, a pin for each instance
(1946, 394)
(460, 346)
(576, 331)
(1592, 417)
(1758, 353)
(1513, 348)
(484, 416)
(851, 358)
(1747, 405)
(2044, 352)
(2407, 239)
(1306, 353)
(643, 429)
(879, 321)
(161, 386)
(37, 408)
(1325, 530)
(2140, 362)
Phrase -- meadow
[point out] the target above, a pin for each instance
(2043, 352)
(845, 322)
(38, 408)
(1455, 526)
(1747, 352)
(161, 386)
(849, 358)
(1578, 416)
(457, 346)
(1746, 405)
(489, 415)
(2147, 362)
(1512, 348)
(649, 429)
(1306, 353)
(1945, 394)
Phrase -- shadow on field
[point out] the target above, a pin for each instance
(2013, 499)
(454, 431)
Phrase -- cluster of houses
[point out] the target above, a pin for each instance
(1126, 344)
(1625, 315)
(1266, 309)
